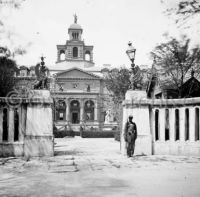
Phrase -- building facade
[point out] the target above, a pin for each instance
(76, 85)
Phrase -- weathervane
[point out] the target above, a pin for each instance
(75, 18)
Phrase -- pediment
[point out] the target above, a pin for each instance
(77, 73)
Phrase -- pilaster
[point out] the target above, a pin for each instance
(81, 110)
(96, 111)
(67, 102)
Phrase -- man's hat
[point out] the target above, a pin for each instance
(130, 116)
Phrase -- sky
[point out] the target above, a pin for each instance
(109, 25)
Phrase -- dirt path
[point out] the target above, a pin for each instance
(95, 167)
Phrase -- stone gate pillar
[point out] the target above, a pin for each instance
(39, 125)
(136, 104)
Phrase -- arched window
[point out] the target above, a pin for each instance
(87, 56)
(157, 124)
(60, 110)
(5, 124)
(196, 124)
(187, 124)
(16, 125)
(177, 125)
(89, 110)
(62, 55)
(166, 124)
(75, 52)
(75, 112)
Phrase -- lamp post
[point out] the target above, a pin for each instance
(131, 54)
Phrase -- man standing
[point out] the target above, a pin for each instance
(130, 135)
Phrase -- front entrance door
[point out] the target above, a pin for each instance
(75, 118)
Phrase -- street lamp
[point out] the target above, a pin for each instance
(131, 54)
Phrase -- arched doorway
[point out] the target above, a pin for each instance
(89, 111)
(75, 112)
(60, 110)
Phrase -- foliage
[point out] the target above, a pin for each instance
(175, 59)
(8, 36)
(118, 82)
(183, 11)
(188, 7)
(7, 69)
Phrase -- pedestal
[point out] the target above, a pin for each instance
(134, 105)
(39, 125)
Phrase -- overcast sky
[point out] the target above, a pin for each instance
(107, 24)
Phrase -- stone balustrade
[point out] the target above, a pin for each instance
(165, 126)
(26, 125)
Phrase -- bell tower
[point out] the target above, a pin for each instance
(75, 49)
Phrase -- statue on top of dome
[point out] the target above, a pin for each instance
(75, 18)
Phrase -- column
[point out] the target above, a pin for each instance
(162, 124)
(67, 102)
(1, 124)
(11, 125)
(172, 124)
(81, 110)
(182, 124)
(192, 119)
(96, 111)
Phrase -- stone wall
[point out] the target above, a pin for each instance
(165, 126)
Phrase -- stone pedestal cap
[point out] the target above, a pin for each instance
(135, 94)
(40, 94)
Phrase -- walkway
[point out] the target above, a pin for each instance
(94, 167)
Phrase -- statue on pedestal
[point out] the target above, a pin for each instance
(41, 72)
(108, 117)
(135, 78)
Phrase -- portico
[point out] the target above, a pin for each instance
(77, 110)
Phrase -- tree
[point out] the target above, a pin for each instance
(175, 59)
(7, 69)
(7, 34)
(118, 82)
(183, 11)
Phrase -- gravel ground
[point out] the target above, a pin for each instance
(95, 167)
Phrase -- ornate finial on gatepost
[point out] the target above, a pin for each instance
(75, 18)
(42, 60)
